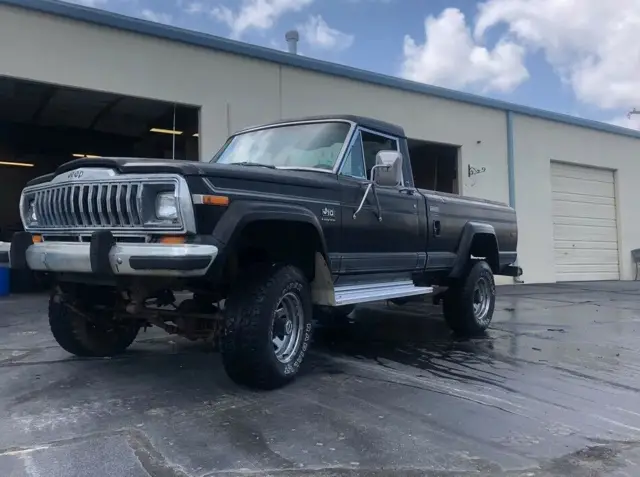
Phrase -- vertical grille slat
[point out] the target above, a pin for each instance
(118, 201)
(82, 199)
(66, 209)
(101, 206)
(60, 207)
(113, 204)
(43, 207)
(51, 207)
(47, 205)
(129, 208)
(55, 206)
(139, 203)
(74, 195)
(90, 205)
(112, 220)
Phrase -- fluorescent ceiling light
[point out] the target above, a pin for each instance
(166, 131)
(89, 156)
(18, 164)
(196, 135)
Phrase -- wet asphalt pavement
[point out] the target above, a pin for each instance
(553, 389)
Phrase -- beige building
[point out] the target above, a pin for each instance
(78, 81)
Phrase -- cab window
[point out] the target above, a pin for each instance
(372, 144)
(354, 160)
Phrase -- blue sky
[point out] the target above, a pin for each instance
(572, 56)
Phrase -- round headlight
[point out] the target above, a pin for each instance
(166, 206)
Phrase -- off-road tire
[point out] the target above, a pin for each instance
(458, 300)
(82, 337)
(248, 353)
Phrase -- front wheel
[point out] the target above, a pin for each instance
(469, 303)
(268, 328)
(90, 334)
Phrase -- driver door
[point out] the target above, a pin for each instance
(377, 241)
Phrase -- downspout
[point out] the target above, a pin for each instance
(511, 170)
(511, 161)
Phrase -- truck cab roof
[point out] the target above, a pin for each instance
(364, 121)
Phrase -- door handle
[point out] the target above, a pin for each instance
(406, 190)
(436, 228)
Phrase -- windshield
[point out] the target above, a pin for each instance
(311, 145)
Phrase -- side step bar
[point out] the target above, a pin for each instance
(352, 294)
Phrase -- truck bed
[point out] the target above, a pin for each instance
(451, 213)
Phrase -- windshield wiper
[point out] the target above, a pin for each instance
(255, 164)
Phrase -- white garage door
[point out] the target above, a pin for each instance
(584, 223)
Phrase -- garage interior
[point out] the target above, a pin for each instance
(43, 126)
(435, 165)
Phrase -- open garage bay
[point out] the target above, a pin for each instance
(552, 390)
(43, 126)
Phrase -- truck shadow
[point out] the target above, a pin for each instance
(414, 336)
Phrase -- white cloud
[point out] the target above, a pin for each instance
(256, 14)
(157, 17)
(450, 57)
(193, 8)
(318, 34)
(594, 45)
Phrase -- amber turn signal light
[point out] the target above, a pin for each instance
(36, 238)
(173, 240)
(220, 200)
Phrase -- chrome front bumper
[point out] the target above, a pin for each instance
(135, 259)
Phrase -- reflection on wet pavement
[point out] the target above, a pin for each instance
(553, 388)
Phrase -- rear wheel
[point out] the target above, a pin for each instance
(469, 303)
(89, 334)
(267, 328)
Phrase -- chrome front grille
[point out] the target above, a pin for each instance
(85, 200)
(102, 205)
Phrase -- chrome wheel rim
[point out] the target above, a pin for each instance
(481, 299)
(287, 328)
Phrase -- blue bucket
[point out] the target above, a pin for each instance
(4, 281)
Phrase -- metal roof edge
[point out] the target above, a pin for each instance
(137, 25)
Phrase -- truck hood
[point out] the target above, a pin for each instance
(194, 168)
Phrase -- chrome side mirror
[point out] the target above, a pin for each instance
(388, 169)
(386, 172)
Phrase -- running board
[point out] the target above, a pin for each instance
(353, 294)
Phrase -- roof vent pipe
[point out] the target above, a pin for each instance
(292, 38)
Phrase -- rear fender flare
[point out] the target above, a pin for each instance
(469, 231)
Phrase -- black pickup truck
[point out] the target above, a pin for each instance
(288, 220)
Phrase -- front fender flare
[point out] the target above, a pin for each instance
(242, 213)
